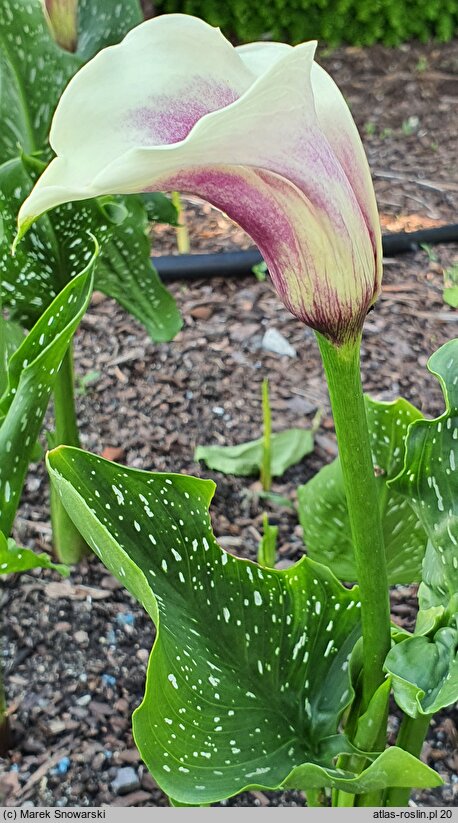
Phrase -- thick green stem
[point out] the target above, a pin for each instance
(342, 369)
(69, 546)
(411, 737)
(266, 469)
(181, 230)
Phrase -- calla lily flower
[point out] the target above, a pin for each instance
(260, 131)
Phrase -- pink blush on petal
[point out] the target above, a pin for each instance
(170, 119)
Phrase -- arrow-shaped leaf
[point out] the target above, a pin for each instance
(31, 375)
(323, 509)
(248, 676)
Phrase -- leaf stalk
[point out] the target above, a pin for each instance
(411, 737)
(69, 546)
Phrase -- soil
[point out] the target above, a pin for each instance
(75, 651)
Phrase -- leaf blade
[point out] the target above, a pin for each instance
(287, 448)
(323, 512)
(31, 375)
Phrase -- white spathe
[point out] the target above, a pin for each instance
(261, 131)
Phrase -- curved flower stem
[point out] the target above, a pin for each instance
(69, 546)
(342, 369)
(411, 738)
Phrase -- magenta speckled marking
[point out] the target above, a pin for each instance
(301, 281)
(170, 119)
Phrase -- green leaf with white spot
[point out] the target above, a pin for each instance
(249, 674)
(33, 74)
(32, 372)
(103, 23)
(159, 208)
(125, 272)
(15, 559)
(58, 246)
(424, 667)
(11, 337)
(287, 448)
(429, 482)
(34, 70)
(323, 511)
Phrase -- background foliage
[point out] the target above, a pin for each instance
(360, 22)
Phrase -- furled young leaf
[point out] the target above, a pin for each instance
(248, 676)
(15, 558)
(103, 23)
(58, 245)
(287, 448)
(323, 509)
(429, 478)
(31, 375)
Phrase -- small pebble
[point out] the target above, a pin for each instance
(274, 341)
(126, 781)
(63, 765)
(125, 619)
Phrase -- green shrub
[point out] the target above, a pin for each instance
(360, 22)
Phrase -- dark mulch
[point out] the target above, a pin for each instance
(75, 652)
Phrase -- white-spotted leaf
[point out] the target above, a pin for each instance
(34, 71)
(287, 448)
(424, 667)
(32, 371)
(33, 74)
(429, 478)
(323, 509)
(103, 23)
(58, 246)
(249, 673)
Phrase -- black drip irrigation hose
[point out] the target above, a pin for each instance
(240, 263)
